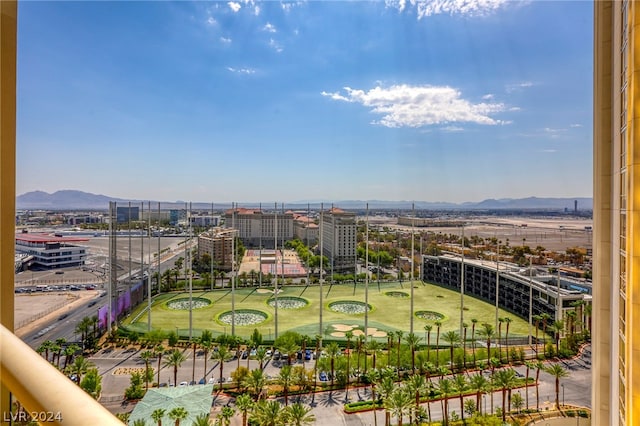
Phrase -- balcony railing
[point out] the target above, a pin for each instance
(47, 395)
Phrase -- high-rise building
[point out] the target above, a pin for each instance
(339, 239)
(616, 214)
(256, 228)
(217, 243)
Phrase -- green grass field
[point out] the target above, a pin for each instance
(388, 313)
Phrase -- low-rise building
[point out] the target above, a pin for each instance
(217, 243)
(51, 251)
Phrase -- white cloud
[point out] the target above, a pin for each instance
(488, 97)
(287, 6)
(234, 6)
(256, 10)
(452, 129)
(275, 45)
(269, 27)
(549, 150)
(518, 86)
(417, 106)
(225, 40)
(575, 125)
(211, 20)
(247, 71)
(426, 8)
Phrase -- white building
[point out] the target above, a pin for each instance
(52, 251)
(339, 234)
(256, 228)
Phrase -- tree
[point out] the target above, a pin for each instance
(244, 403)
(480, 385)
(69, 352)
(299, 415)
(557, 328)
(333, 352)
(400, 403)
(504, 379)
(178, 414)
(349, 336)
(222, 355)
(507, 321)
(398, 334)
(135, 389)
(159, 351)
(386, 386)
(285, 379)
(92, 383)
(517, 402)
(139, 422)
(530, 365)
(255, 383)
(268, 413)
(175, 360)
(438, 325)
(146, 357)
(558, 372)
(539, 366)
(446, 388)
(79, 367)
(428, 329)
(413, 340)
(459, 386)
(157, 415)
(418, 386)
(226, 413)
(474, 321)
(488, 333)
(452, 338)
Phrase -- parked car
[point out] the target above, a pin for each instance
(324, 377)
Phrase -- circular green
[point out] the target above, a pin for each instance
(349, 307)
(243, 317)
(182, 304)
(288, 302)
(429, 315)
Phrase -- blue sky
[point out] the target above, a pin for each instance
(445, 100)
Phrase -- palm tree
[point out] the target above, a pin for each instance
(69, 352)
(558, 372)
(360, 341)
(418, 386)
(545, 321)
(261, 356)
(438, 325)
(386, 386)
(159, 351)
(268, 413)
(79, 367)
(374, 347)
(413, 340)
(428, 329)
(299, 415)
(244, 403)
(285, 379)
(557, 328)
(333, 352)
(460, 385)
(505, 379)
(507, 321)
(465, 326)
(474, 321)
(175, 360)
(452, 338)
(488, 333)
(398, 334)
(226, 413)
(446, 388)
(178, 414)
(400, 403)
(529, 365)
(480, 384)
(222, 355)
(536, 319)
(157, 415)
(539, 366)
(46, 347)
(255, 383)
(500, 321)
(349, 336)
(203, 419)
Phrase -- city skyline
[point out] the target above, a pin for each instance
(306, 100)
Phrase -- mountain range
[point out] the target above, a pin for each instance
(79, 200)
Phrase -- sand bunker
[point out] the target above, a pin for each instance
(343, 327)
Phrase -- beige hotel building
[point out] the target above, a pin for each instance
(616, 157)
